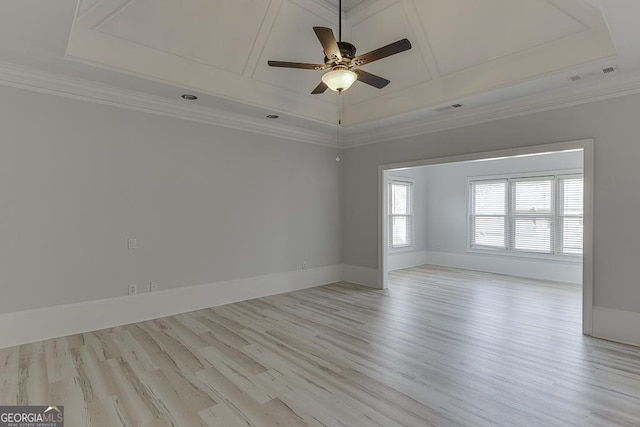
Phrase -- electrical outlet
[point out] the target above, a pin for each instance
(132, 243)
(133, 289)
(305, 265)
(153, 286)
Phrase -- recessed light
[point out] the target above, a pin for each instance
(189, 97)
(272, 116)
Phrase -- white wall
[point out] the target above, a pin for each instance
(446, 192)
(612, 123)
(206, 204)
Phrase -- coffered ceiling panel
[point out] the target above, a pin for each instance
(220, 33)
(221, 47)
(464, 33)
(292, 39)
(205, 46)
(405, 69)
(474, 47)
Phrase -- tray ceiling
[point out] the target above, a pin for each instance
(220, 48)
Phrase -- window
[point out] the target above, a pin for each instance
(541, 214)
(489, 213)
(400, 214)
(570, 214)
(532, 214)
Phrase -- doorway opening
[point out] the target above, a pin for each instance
(523, 212)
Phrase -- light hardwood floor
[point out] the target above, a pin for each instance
(441, 347)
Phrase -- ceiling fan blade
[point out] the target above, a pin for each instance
(302, 65)
(321, 88)
(383, 52)
(372, 79)
(329, 44)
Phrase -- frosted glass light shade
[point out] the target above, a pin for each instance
(339, 80)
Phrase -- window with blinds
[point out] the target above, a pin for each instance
(532, 213)
(400, 214)
(541, 214)
(570, 214)
(489, 213)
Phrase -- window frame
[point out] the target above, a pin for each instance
(410, 215)
(555, 215)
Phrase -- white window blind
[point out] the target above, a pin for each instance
(570, 214)
(489, 213)
(542, 214)
(400, 214)
(532, 214)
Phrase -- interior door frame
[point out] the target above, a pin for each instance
(587, 145)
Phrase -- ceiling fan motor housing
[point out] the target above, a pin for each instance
(347, 50)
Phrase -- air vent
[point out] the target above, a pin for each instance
(595, 73)
(448, 107)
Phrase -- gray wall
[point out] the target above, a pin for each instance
(612, 123)
(209, 204)
(206, 204)
(447, 193)
(420, 206)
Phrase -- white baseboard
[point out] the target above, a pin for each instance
(50, 322)
(360, 275)
(400, 260)
(616, 325)
(534, 269)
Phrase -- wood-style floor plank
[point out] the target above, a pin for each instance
(441, 347)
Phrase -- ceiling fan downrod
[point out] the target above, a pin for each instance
(339, 20)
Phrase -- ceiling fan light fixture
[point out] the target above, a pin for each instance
(339, 80)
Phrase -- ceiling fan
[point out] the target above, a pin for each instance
(340, 57)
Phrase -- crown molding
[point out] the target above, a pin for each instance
(27, 78)
(395, 128)
(351, 136)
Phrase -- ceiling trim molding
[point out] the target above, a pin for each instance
(27, 78)
(389, 129)
(352, 136)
